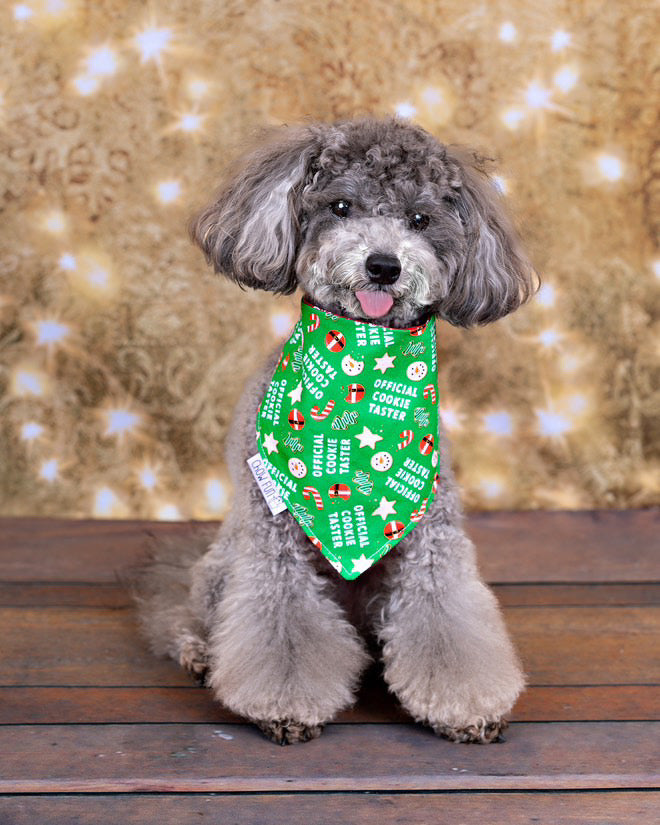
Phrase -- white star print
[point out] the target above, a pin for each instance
(296, 395)
(270, 443)
(385, 362)
(368, 439)
(385, 508)
(361, 564)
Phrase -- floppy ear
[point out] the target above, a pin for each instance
(251, 230)
(495, 276)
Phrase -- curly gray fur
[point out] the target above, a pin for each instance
(270, 227)
(282, 634)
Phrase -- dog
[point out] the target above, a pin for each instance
(279, 637)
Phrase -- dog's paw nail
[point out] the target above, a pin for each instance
(482, 733)
(288, 732)
(193, 658)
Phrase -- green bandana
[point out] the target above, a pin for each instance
(347, 430)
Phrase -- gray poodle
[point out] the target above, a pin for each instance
(281, 638)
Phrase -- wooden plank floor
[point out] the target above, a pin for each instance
(93, 729)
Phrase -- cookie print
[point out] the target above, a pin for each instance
(296, 420)
(355, 393)
(342, 491)
(382, 461)
(297, 467)
(335, 341)
(417, 370)
(347, 430)
(351, 366)
(394, 529)
(426, 445)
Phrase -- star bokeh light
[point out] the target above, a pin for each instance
(122, 357)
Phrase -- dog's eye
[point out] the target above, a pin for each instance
(340, 208)
(418, 222)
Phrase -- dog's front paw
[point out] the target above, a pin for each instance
(480, 731)
(288, 732)
(193, 656)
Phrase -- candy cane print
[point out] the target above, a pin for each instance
(416, 515)
(315, 322)
(320, 415)
(406, 438)
(429, 389)
(285, 362)
(312, 492)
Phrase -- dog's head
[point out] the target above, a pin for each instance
(374, 220)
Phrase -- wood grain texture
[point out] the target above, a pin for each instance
(33, 549)
(513, 808)
(107, 594)
(568, 546)
(85, 708)
(140, 705)
(101, 646)
(184, 758)
(569, 594)
(530, 546)
(64, 594)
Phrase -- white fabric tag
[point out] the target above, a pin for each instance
(266, 484)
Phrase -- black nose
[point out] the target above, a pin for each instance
(383, 269)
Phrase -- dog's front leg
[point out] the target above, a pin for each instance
(447, 653)
(281, 650)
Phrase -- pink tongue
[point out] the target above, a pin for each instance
(374, 304)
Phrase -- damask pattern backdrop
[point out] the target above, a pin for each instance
(121, 357)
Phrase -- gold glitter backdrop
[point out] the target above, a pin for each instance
(121, 357)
